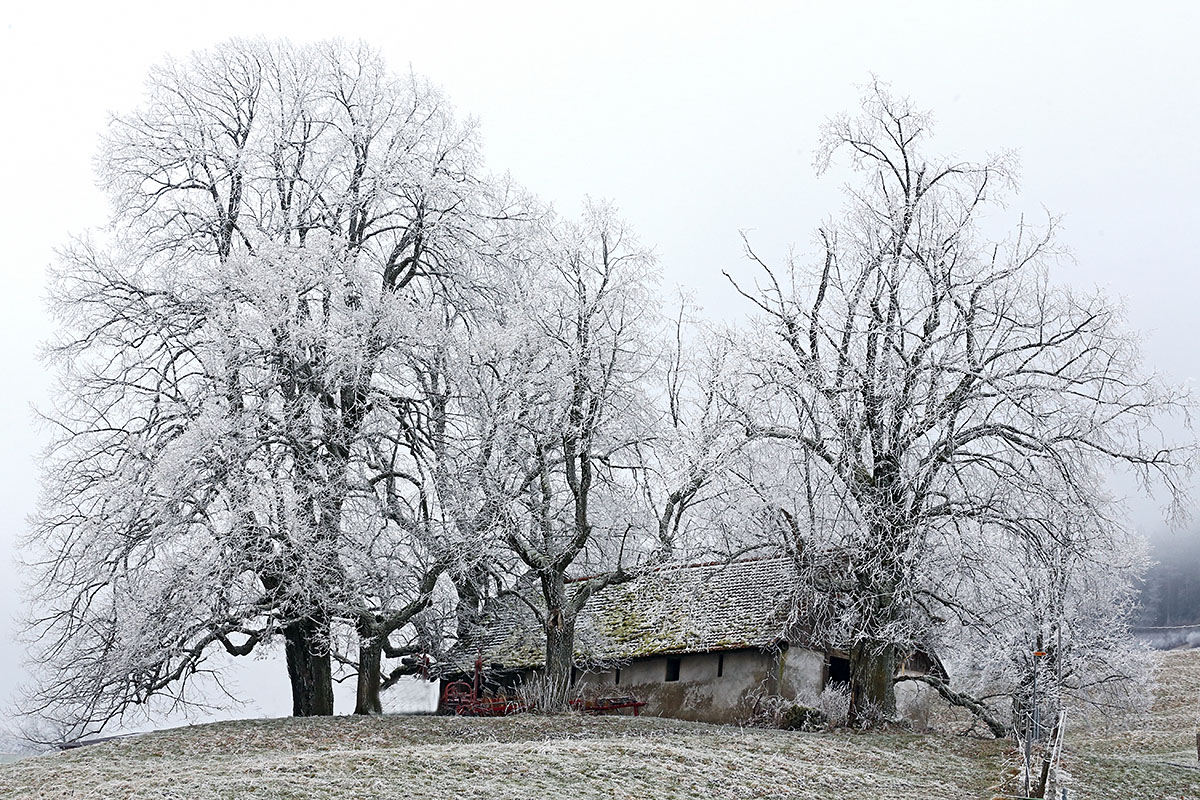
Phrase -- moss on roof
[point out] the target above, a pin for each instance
(675, 609)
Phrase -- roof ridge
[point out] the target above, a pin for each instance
(671, 567)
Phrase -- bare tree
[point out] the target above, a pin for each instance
(1050, 627)
(917, 383)
(439, 483)
(585, 346)
(232, 357)
(594, 440)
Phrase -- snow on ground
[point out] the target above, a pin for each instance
(517, 757)
(601, 757)
(1155, 757)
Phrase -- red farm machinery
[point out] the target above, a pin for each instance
(471, 699)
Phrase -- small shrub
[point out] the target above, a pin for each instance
(834, 703)
(813, 713)
(871, 715)
(796, 717)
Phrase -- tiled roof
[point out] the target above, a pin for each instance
(674, 609)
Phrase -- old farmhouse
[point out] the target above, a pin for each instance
(698, 642)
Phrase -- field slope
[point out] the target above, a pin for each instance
(517, 757)
(1156, 756)
(604, 757)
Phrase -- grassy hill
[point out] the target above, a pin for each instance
(515, 757)
(1156, 757)
(603, 757)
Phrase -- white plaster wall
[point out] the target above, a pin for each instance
(698, 667)
(801, 672)
(915, 702)
(701, 695)
(644, 671)
(698, 694)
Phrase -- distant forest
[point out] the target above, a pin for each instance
(1171, 595)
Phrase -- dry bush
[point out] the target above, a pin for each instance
(813, 711)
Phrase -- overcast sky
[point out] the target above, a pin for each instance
(698, 120)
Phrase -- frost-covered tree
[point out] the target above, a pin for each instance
(583, 339)
(235, 390)
(917, 386)
(1050, 629)
(607, 438)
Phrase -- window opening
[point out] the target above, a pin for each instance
(839, 671)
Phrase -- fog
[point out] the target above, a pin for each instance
(698, 121)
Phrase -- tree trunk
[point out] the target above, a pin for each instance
(976, 707)
(560, 659)
(370, 659)
(309, 669)
(469, 606)
(872, 668)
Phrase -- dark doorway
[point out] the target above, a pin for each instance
(838, 671)
(672, 669)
